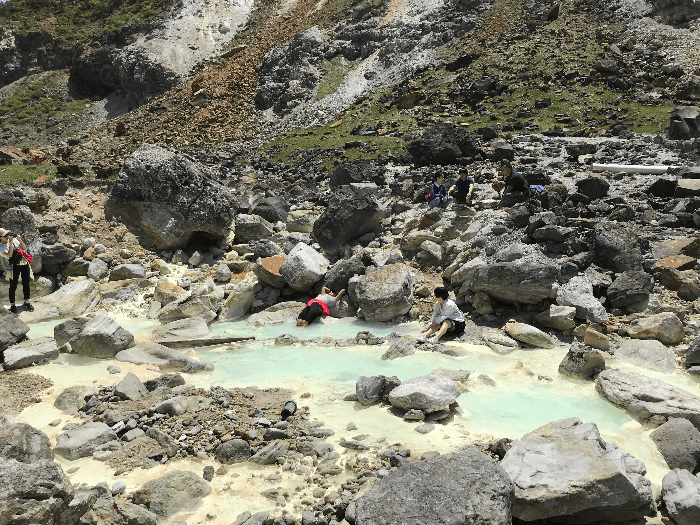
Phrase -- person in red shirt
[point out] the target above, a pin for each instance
(317, 307)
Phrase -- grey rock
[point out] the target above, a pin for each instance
(24, 443)
(165, 380)
(168, 443)
(12, 329)
(428, 393)
(370, 390)
(252, 228)
(339, 274)
(385, 293)
(233, 451)
(643, 397)
(271, 453)
(558, 317)
(97, 269)
(130, 387)
(578, 292)
(55, 258)
(79, 505)
(118, 488)
(679, 443)
(617, 247)
(175, 491)
(114, 369)
(83, 441)
(36, 492)
(576, 477)
(70, 300)
(164, 357)
(272, 209)
(101, 338)
(223, 274)
(461, 488)
(133, 434)
(692, 355)
(582, 362)
(135, 514)
(72, 398)
(303, 267)
(76, 268)
(165, 197)
(652, 355)
(443, 144)
(183, 329)
(630, 288)
(665, 327)
(680, 491)
(174, 406)
(30, 352)
(65, 331)
(514, 282)
(401, 348)
(127, 271)
(529, 335)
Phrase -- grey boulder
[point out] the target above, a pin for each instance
(127, 271)
(163, 357)
(303, 267)
(463, 488)
(101, 338)
(30, 352)
(386, 292)
(370, 390)
(428, 393)
(519, 281)
(175, 491)
(72, 398)
(529, 335)
(233, 451)
(578, 292)
(630, 288)
(183, 329)
(24, 443)
(12, 329)
(130, 387)
(665, 327)
(97, 269)
(645, 398)
(70, 300)
(564, 472)
(33, 493)
(653, 355)
(83, 441)
(679, 443)
(680, 491)
(582, 362)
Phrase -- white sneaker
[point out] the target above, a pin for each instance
(422, 338)
(433, 339)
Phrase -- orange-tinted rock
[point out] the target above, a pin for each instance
(679, 262)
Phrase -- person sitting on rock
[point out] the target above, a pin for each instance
(317, 307)
(438, 198)
(13, 249)
(510, 181)
(447, 317)
(462, 188)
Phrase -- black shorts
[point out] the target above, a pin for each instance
(311, 313)
(461, 196)
(457, 327)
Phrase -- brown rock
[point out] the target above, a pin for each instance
(679, 262)
(142, 496)
(89, 254)
(597, 340)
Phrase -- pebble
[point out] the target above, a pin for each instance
(351, 426)
(425, 428)
(248, 394)
(55, 423)
(114, 369)
(73, 470)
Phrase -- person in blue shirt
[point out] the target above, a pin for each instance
(438, 194)
(462, 189)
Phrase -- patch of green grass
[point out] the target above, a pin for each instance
(19, 174)
(77, 22)
(35, 97)
(334, 73)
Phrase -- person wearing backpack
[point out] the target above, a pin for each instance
(438, 198)
(13, 249)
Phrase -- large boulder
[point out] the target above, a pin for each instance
(127, 271)
(252, 228)
(692, 355)
(30, 352)
(68, 301)
(664, 327)
(167, 359)
(33, 493)
(166, 198)
(267, 270)
(617, 247)
(648, 399)
(101, 338)
(593, 187)
(357, 171)
(182, 330)
(130, 387)
(55, 257)
(24, 443)
(463, 488)
(303, 267)
(12, 329)
(428, 393)
(347, 217)
(513, 282)
(653, 355)
(680, 491)
(233, 451)
(679, 443)
(685, 120)
(630, 288)
(167, 292)
(272, 209)
(529, 335)
(578, 292)
(338, 276)
(386, 292)
(71, 399)
(582, 362)
(564, 472)
(443, 144)
(83, 441)
(239, 301)
(370, 390)
(174, 491)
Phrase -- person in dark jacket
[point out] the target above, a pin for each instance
(438, 198)
(462, 189)
(510, 181)
(18, 264)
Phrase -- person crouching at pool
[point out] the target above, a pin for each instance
(447, 317)
(317, 307)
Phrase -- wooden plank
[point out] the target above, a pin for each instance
(193, 343)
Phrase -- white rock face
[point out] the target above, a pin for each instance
(665, 327)
(82, 441)
(303, 267)
(565, 468)
(653, 355)
(33, 351)
(578, 292)
(71, 300)
(529, 335)
(428, 393)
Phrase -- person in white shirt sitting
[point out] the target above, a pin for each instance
(447, 317)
